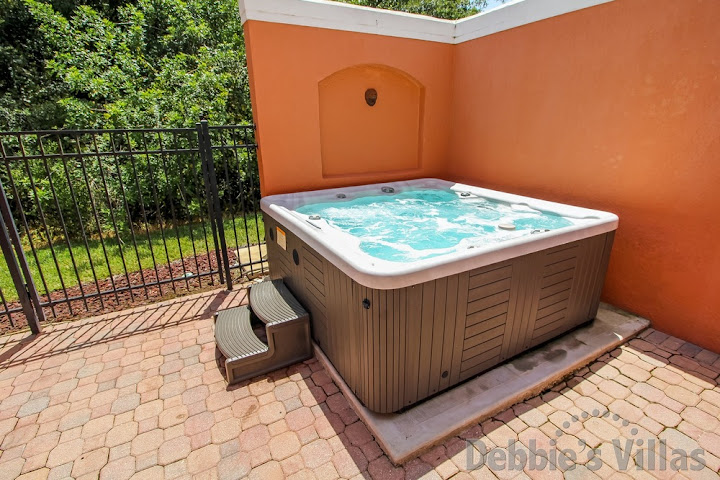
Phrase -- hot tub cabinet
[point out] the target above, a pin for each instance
(401, 331)
(396, 347)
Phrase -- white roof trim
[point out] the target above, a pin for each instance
(515, 14)
(343, 16)
(353, 18)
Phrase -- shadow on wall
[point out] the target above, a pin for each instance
(370, 118)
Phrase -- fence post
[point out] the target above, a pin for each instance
(213, 200)
(206, 181)
(26, 291)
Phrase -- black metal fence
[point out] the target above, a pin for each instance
(103, 219)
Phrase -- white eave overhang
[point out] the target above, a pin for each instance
(354, 18)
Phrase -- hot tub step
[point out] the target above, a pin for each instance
(287, 327)
(273, 303)
(235, 338)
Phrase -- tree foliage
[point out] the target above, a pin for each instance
(448, 9)
(146, 63)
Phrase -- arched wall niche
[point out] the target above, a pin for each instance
(359, 136)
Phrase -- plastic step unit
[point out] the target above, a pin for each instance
(287, 326)
(273, 303)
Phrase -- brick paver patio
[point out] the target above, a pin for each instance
(139, 394)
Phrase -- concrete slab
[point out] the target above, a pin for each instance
(405, 435)
(252, 253)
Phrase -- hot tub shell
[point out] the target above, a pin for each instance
(397, 346)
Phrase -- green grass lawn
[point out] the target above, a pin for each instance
(175, 240)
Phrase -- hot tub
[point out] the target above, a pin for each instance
(418, 285)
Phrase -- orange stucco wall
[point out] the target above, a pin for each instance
(615, 107)
(286, 65)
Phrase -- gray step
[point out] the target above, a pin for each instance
(286, 324)
(234, 335)
(273, 303)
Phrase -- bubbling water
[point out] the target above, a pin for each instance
(424, 223)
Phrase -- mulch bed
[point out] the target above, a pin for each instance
(138, 295)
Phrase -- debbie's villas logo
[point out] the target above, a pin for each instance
(624, 454)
